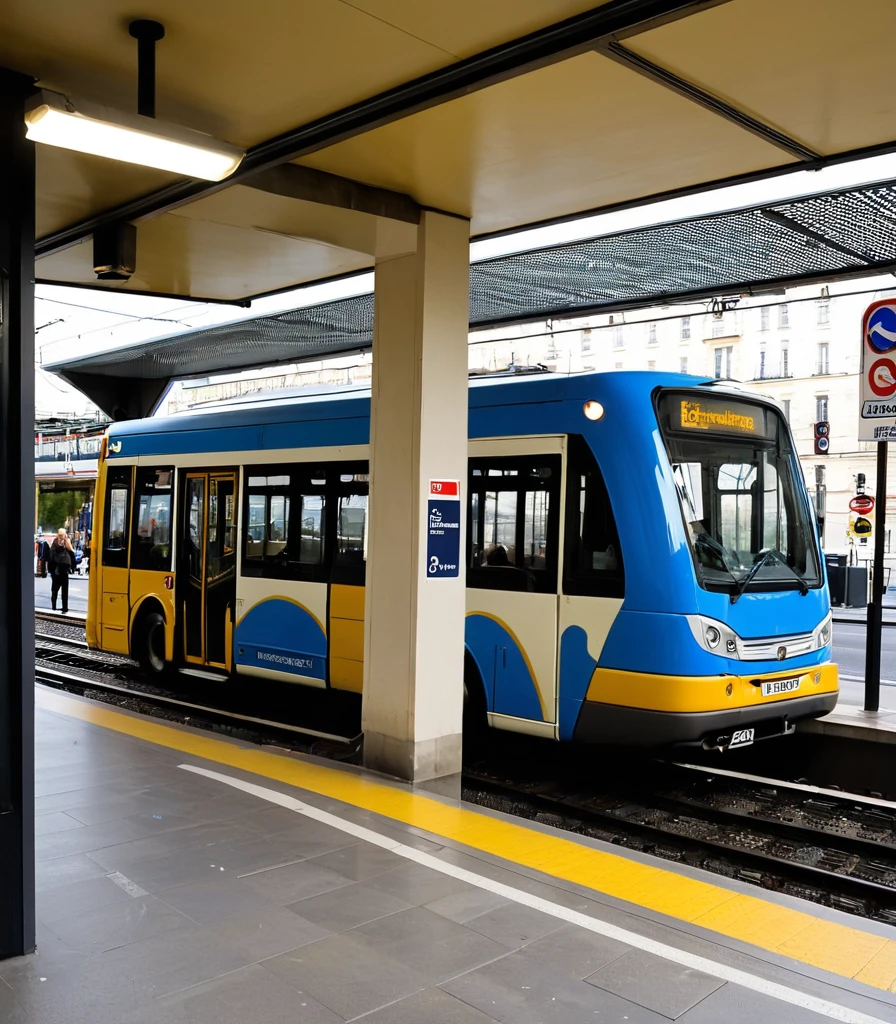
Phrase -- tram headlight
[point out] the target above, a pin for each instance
(714, 636)
(823, 632)
(593, 410)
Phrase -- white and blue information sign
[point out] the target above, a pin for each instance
(877, 408)
(443, 530)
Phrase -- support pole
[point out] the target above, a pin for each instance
(875, 608)
(414, 624)
(16, 498)
(147, 33)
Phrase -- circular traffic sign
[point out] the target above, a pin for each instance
(881, 331)
(823, 428)
(882, 378)
(863, 504)
(822, 443)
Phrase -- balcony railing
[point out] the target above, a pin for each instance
(767, 374)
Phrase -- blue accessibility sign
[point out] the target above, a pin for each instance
(443, 538)
(881, 331)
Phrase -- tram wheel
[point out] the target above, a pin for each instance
(475, 720)
(151, 644)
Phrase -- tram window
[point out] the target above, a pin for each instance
(535, 529)
(512, 533)
(115, 532)
(311, 528)
(736, 483)
(285, 522)
(151, 537)
(593, 564)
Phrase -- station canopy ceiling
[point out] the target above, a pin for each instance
(510, 112)
(749, 251)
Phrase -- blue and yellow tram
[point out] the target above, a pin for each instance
(643, 564)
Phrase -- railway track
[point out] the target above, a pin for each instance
(837, 850)
(66, 663)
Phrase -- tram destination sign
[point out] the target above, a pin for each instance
(877, 398)
(696, 412)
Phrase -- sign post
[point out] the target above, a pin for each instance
(877, 422)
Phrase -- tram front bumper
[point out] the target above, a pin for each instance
(667, 722)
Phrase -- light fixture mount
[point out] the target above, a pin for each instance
(147, 33)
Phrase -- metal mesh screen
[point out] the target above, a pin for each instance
(786, 243)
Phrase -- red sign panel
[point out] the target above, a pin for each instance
(862, 504)
(444, 488)
(882, 378)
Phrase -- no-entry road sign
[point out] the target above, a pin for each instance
(862, 504)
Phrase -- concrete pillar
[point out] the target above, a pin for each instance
(414, 635)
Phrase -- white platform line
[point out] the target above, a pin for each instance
(123, 882)
(834, 1011)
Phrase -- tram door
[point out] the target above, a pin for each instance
(208, 544)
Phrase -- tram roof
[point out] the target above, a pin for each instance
(357, 116)
(351, 403)
(745, 251)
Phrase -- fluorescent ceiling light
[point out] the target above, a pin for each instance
(101, 131)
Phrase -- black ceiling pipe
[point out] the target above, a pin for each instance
(147, 33)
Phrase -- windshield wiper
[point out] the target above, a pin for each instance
(770, 556)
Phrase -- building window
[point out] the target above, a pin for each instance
(823, 311)
(785, 360)
(683, 368)
(651, 364)
(821, 408)
(785, 404)
(618, 337)
(763, 318)
(723, 363)
(685, 328)
(651, 334)
(618, 366)
(718, 327)
(783, 315)
(762, 364)
(823, 364)
(586, 340)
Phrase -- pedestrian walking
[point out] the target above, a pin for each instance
(61, 560)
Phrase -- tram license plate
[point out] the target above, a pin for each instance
(742, 738)
(780, 686)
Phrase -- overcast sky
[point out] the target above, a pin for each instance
(71, 321)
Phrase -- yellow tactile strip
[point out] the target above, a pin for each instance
(837, 948)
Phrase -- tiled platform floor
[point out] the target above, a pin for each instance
(167, 898)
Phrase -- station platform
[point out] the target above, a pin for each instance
(850, 721)
(189, 879)
(77, 596)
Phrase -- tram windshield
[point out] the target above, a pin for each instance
(741, 493)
